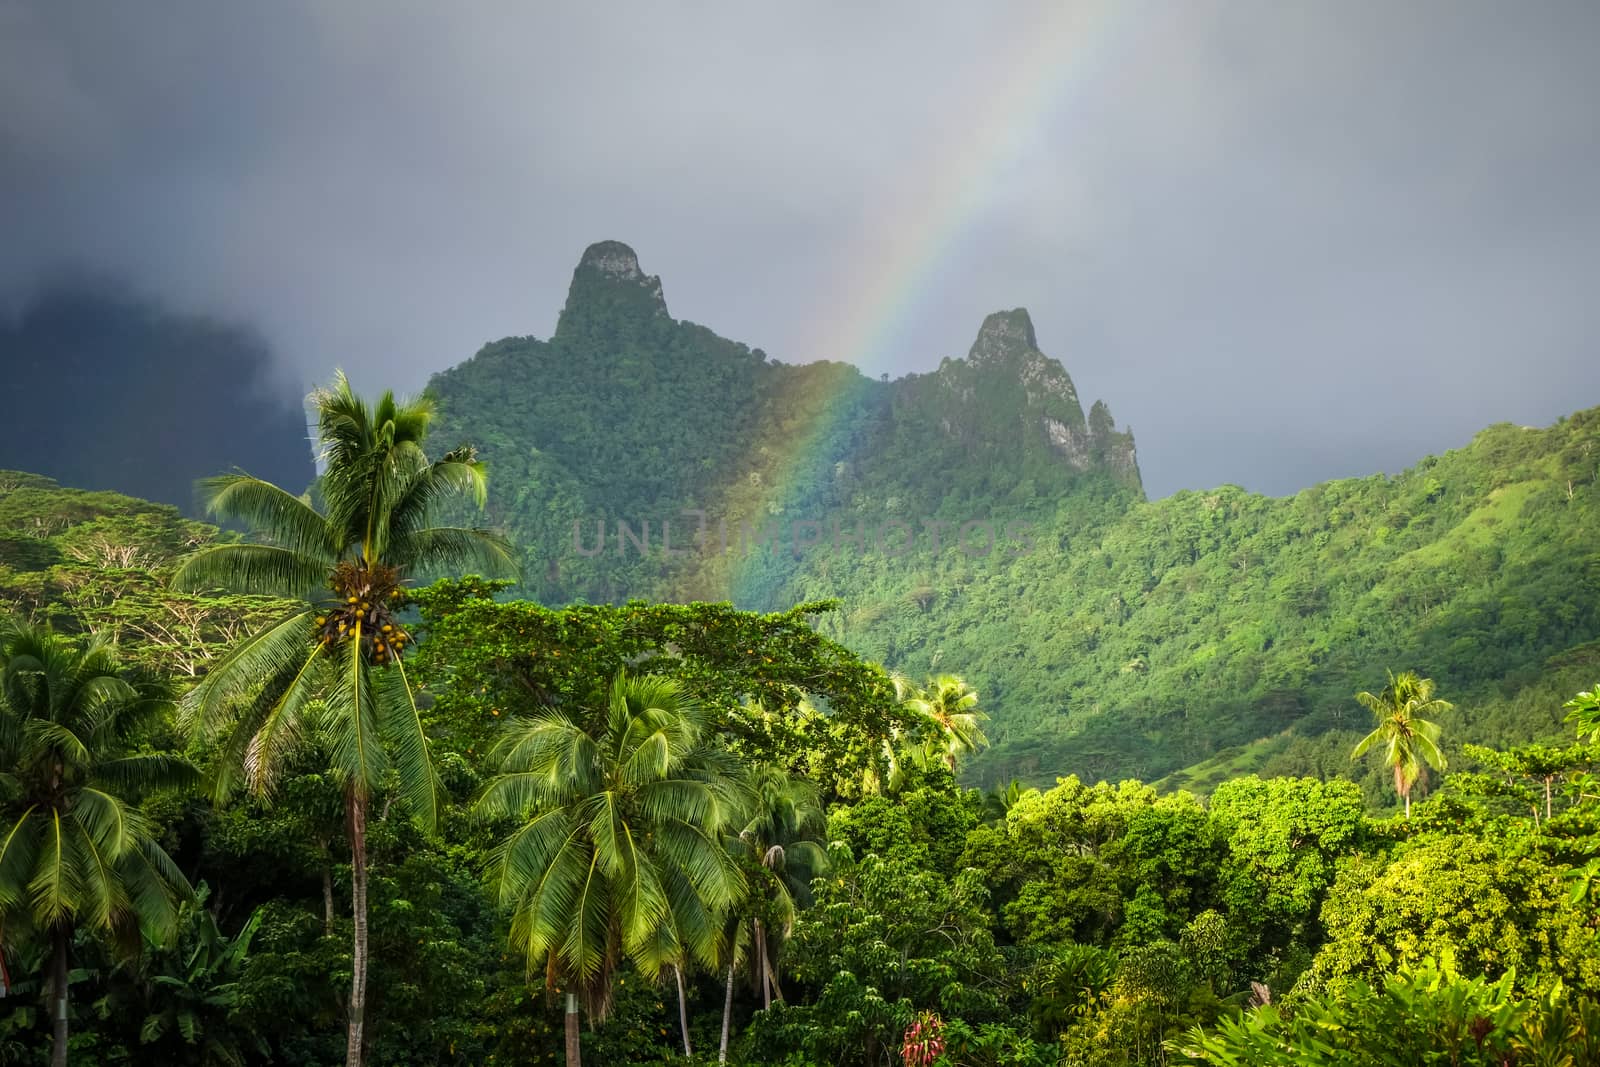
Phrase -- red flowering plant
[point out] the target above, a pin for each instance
(924, 1040)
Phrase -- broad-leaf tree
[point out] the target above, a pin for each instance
(1583, 714)
(75, 851)
(617, 852)
(1409, 738)
(335, 664)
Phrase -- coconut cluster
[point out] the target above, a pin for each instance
(363, 606)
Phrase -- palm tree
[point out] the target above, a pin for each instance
(619, 851)
(1410, 741)
(948, 708)
(781, 836)
(75, 851)
(335, 664)
(734, 949)
(779, 839)
(999, 801)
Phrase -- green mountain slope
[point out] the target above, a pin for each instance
(627, 415)
(1109, 636)
(1208, 620)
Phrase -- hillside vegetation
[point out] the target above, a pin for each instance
(1109, 635)
(835, 896)
(1209, 620)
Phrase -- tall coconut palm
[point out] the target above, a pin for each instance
(622, 810)
(335, 664)
(734, 948)
(75, 852)
(1410, 741)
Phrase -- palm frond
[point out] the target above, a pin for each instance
(243, 671)
(1366, 743)
(265, 569)
(1377, 705)
(407, 739)
(56, 888)
(146, 773)
(56, 737)
(1426, 746)
(280, 730)
(436, 548)
(553, 746)
(458, 473)
(113, 827)
(155, 888)
(352, 724)
(101, 894)
(714, 874)
(584, 948)
(523, 859)
(282, 518)
(19, 845)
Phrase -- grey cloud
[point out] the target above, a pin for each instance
(1284, 241)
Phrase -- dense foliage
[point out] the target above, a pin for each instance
(645, 832)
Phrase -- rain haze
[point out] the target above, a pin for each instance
(1283, 242)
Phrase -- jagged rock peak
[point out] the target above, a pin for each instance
(1007, 348)
(613, 258)
(614, 263)
(1004, 335)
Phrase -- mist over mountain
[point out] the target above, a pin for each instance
(105, 390)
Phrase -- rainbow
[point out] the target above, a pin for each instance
(892, 267)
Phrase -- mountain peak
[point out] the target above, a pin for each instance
(607, 279)
(1004, 335)
(613, 258)
(1007, 347)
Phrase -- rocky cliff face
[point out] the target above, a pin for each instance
(1007, 395)
(611, 297)
(616, 262)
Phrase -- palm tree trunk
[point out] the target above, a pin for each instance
(772, 974)
(1408, 805)
(761, 961)
(574, 1053)
(727, 1016)
(683, 1010)
(61, 943)
(327, 890)
(355, 1034)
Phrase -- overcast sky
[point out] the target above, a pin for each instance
(1284, 241)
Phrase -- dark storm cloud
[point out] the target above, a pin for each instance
(1284, 241)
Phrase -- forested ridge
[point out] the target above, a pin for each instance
(1224, 625)
(1200, 635)
(307, 791)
